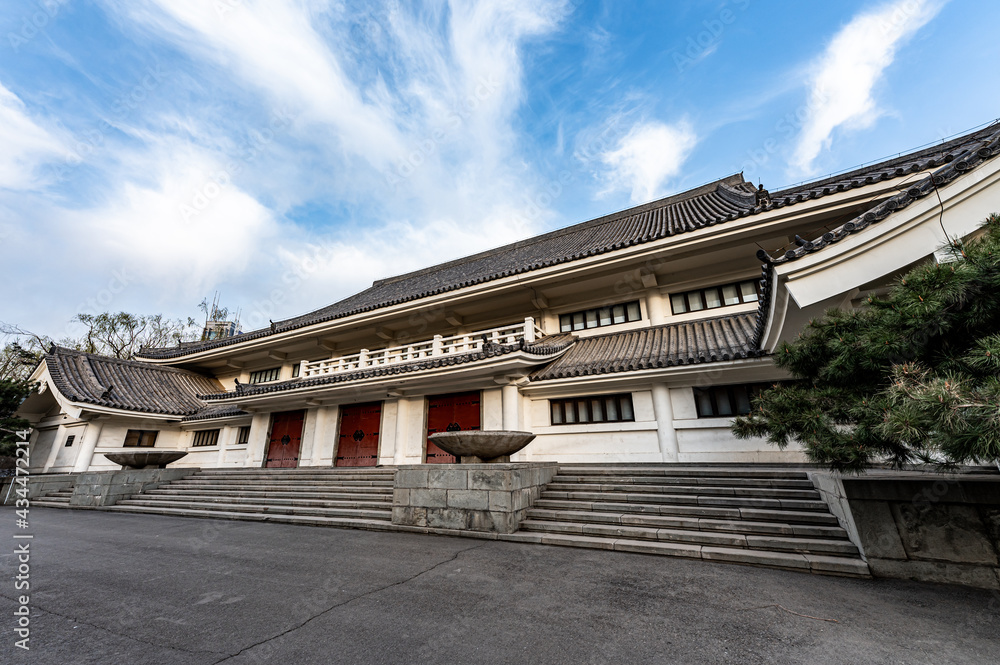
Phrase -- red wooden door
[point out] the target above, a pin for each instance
(358, 441)
(285, 441)
(450, 413)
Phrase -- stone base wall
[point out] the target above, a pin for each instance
(477, 497)
(921, 526)
(38, 485)
(106, 488)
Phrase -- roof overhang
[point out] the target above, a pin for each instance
(806, 287)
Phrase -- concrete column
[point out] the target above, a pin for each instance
(411, 430)
(325, 440)
(387, 432)
(226, 437)
(308, 437)
(57, 443)
(399, 430)
(259, 430)
(666, 435)
(656, 307)
(90, 437)
(511, 398)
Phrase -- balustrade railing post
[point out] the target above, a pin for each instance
(436, 345)
(529, 330)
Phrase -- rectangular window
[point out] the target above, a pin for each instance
(726, 401)
(295, 369)
(69, 440)
(600, 409)
(243, 437)
(265, 375)
(600, 317)
(714, 297)
(140, 438)
(206, 437)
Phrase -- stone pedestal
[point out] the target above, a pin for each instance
(475, 497)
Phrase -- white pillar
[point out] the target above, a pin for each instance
(387, 431)
(258, 440)
(663, 411)
(226, 436)
(308, 437)
(57, 443)
(86, 455)
(655, 307)
(510, 398)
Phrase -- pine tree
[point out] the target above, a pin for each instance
(910, 377)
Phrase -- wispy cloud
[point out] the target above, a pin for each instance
(648, 157)
(843, 80)
(26, 145)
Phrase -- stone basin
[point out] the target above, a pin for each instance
(475, 447)
(146, 459)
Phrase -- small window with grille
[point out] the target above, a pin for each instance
(243, 437)
(206, 437)
(265, 375)
(726, 401)
(596, 409)
(600, 317)
(714, 297)
(69, 440)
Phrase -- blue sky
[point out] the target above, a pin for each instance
(286, 153)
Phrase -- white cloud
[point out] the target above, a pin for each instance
(647, 157)
(26, 145)
(843, 79)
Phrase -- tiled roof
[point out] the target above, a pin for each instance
(689, 343)
(710, 204)
(126, 384)
(544, 347)
(216, 411)
(715, 203)
(962, 155)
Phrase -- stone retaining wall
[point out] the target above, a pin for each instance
(476, 497)
(921, 526)
(106, 488)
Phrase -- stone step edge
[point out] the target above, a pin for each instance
(821, 564)
(765, 542)
(251, 507)
(317, 520)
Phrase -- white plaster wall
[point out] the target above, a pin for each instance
(492, 409)
(412, 430)
(387, 432)
(43, 446)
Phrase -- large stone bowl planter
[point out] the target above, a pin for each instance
(146, 459)
(474, 447)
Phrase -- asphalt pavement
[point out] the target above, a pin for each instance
(136, 589)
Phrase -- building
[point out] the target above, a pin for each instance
(633, 337)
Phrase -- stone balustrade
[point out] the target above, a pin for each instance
(438, 346)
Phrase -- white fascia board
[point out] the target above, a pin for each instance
(685, 242)
(906, 236)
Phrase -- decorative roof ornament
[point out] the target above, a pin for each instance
(107, 392)
(762, 195)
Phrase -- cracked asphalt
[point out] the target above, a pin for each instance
(137, 589)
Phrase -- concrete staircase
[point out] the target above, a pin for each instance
(758, 516)
(59, 499)
(354, 498)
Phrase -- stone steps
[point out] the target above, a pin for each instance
(755, 516)
(59, 499)
(323, 497)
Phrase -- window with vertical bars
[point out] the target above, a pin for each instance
(714, 297)
(600, 317)
(596, 409)
(265, 375)
(140, 438)
(206, 437)
(726, 401)
(243, 437)
(69, 440)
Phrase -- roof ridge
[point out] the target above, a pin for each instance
(121, 361)
(572, 228)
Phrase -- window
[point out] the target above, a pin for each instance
(140, 438)
(599, 409)
(600, 316)
(295, 369)
(243, 437)
(726, 401)
(714, 296)
(265, 375)
(69, 440)
(206, 437)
